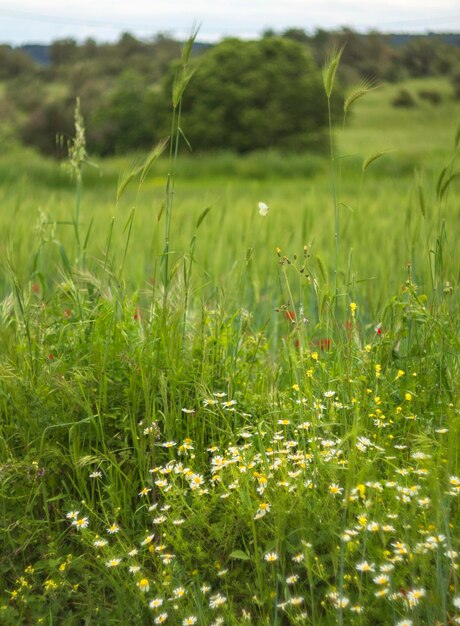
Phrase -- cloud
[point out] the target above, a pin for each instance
(105, 19)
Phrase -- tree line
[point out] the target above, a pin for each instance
(245, 95)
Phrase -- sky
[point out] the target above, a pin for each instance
(42, 21)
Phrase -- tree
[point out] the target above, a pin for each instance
(63, 51)
(120, 124)
(253, 95)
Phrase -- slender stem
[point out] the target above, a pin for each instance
(76, 221)
(168, 208)
(336, 207)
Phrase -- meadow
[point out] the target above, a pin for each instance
(215, 413)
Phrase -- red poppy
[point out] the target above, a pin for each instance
(323, 344)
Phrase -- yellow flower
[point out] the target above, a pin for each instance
(353, 307)
(143, 585)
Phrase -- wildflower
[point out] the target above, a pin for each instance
(263, 209)
(100, 543)
(335, 489)
(188, 411)
(189, 620)
(133, 569)
(96, 474)
(404, 622)
(179, 592)
(210, 401)
(113, 563)
(156, 603)
(456, 602)
(364, 566)
(400, 374)
(114, 528)
(414, 595)
(161, 618)
(353, 307)
(81, 522)
(291, 580)
(271, 557)
(227, 404)
(329, 394)
(72, 515)
(340, 602)
(167, 558)
(143, 585)
(147, 540)
(196, 480)
(144, 491)
(50, 584)
(217, 600)
(298, 558)
(382, 579)
(296, 601)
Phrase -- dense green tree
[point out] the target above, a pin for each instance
(429, 56)
(15, 63)
(50, 126)
(63, 51)
(248, 95)
(120, 124)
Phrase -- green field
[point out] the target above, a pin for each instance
(267, 432)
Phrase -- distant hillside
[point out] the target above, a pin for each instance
(401, 39)
(40, 53)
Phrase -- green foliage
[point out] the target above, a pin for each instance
(253, 448)
(50, 120)
(122, 123)
(14, 63)
(252, 95)
(125, 88)
(404, 99)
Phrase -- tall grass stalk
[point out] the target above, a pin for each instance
(329, 74)
(181, 80)
(77, 157)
